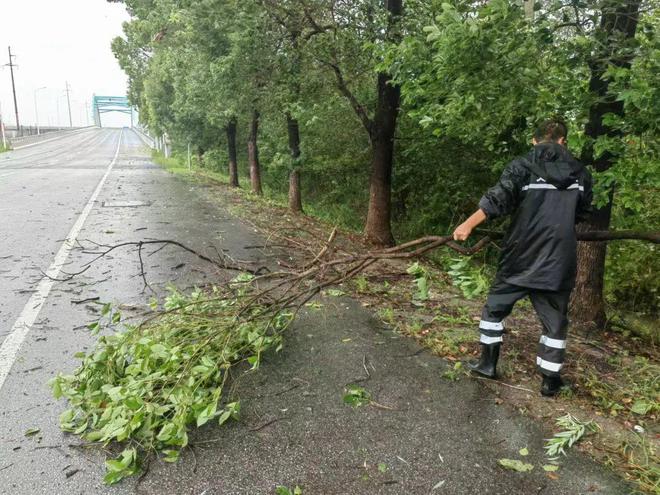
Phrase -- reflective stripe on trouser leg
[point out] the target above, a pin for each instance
(501, 298)
(552, 309)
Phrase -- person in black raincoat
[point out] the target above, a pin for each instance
(546, 192)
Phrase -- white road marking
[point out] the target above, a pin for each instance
(12, 343)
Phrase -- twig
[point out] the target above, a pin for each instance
(490, 380)
(89, 299)
(70, 276)
(262, 426)
(381, 406)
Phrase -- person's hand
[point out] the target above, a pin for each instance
(462, 232)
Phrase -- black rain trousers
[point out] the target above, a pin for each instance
(551, 308)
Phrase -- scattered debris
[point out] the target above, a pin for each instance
(82, 301)
(439, 484)
(71, 472)
(573, 430)
(515, 465)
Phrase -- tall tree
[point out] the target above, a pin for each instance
(231, 151)
(614, 47)
(350, 31)
(253, 154)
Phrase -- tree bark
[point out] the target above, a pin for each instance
(231, 151)
(378, 226)
(618, 24)
(295, 198)
(253, 155)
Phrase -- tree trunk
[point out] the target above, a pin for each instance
(378, 226)
(295, 199)
(231, 151)
(253, 155)
(618, 25)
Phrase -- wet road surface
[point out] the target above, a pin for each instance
(294, 430)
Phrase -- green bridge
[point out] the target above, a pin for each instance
(106, 104)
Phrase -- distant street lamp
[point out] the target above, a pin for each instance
(36, 110)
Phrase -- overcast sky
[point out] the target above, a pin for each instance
(55, 42)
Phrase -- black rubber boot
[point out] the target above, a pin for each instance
(551, 385)
(487, 365)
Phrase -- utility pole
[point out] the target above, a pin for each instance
(11, 65)
(36, 109)
(68, 101)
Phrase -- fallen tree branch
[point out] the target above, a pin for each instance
(598, 235)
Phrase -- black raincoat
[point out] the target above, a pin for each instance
(547, 192)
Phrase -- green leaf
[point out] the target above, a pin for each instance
(550, 467)
(356, 396)
(31, 432)
(523, 452)
(224, 417)
(112, 477)
(382, 467)
(641, 407)
(206, 414)
(335, 292)
(515, 465)
(105, 310)
(171, 455)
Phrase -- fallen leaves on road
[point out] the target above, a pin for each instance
(515, 465)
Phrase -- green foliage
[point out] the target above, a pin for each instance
(421, 276)
(356, 396)
(283, 490)
(144, 386)
(515, 465)
(470, 279)
(573, 431)
(455, 372)
(632, 391)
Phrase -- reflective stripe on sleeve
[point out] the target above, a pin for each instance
(485, 339)
(548, 365)
(491, 325)
(555, 343)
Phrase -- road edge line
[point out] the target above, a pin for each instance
(23, 324)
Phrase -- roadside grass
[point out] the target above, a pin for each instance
(633, 390)
(3, 148)
(616, 373)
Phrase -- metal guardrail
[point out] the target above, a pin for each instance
(19, 142)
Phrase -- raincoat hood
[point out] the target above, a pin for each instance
(555, 164)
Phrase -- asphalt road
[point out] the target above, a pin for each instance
(433, 435)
